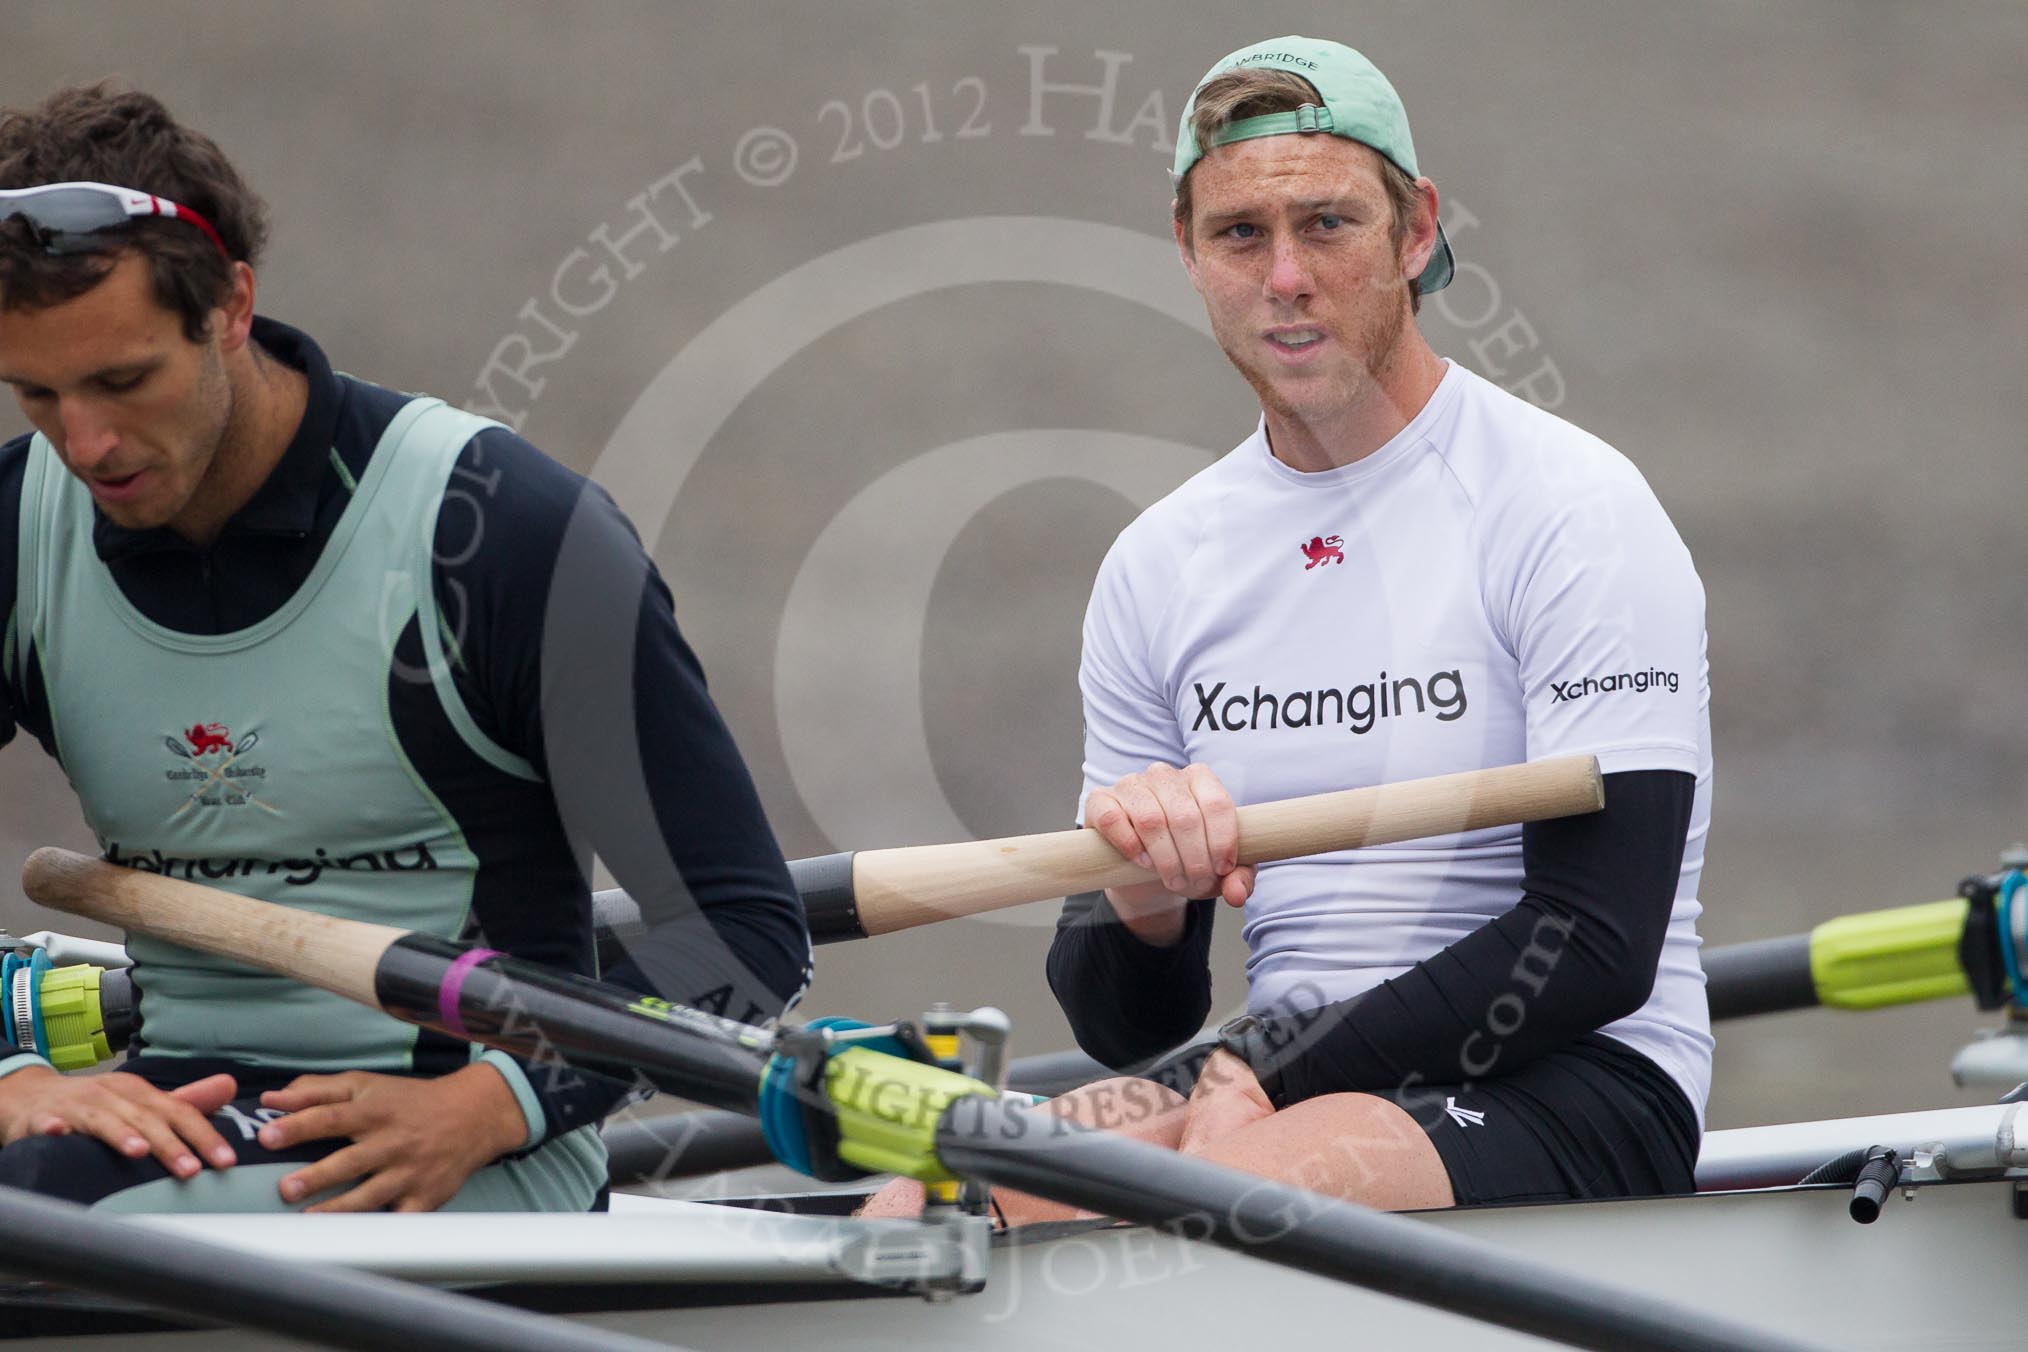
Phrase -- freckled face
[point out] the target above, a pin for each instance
(1292, 249)
(134, 409)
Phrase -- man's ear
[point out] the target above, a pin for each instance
(1188, 253)
(1418, 241)
(235, 317)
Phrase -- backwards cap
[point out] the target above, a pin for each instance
(1359, 105)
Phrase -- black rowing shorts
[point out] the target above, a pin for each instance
(1593, 1119)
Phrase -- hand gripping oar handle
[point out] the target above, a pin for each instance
(873, 892)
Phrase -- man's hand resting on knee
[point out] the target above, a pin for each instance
(414, 1142)
(125, 1111)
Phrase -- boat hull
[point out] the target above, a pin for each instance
(1938, 1270)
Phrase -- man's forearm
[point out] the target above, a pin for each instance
(492, 1107)
(1127, 1000)
(1579, 951)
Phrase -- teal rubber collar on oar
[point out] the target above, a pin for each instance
(2011, 914)
(795, 1113)
(25, 1028)
(14, 963)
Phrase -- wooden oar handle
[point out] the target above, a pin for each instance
(888, 890)
(902, 888)
(320, 950)
(1384, 814)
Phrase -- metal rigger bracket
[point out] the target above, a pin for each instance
(1993, 951)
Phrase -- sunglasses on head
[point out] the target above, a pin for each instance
(68, 218)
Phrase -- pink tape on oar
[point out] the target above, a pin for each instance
(453, 985)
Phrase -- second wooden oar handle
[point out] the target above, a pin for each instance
(320, 950)
(902, 888)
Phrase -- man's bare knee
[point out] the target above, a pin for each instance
(1130, 1106)
(1355, 1146)
(898, 1197)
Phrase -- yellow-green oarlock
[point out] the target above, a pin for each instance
(887, 1110)
(1892, 957)
(72, 1018)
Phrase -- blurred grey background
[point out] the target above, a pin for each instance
(1769, 251)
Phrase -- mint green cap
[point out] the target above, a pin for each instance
(1359, 104)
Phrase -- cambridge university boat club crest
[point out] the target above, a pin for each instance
(214, 772)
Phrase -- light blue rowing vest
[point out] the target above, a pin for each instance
(264, 761)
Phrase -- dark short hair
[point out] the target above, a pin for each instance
(1254, 90)
(94, 133)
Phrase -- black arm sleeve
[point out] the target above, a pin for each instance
(1127, 1000)
(24, 700)
(1579, 951)
(13, 464)
(726, 931)
(578, 667)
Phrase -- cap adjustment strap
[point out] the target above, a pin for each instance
(1307, 119)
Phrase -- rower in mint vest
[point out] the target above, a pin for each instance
(300, 637)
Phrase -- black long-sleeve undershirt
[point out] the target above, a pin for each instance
(1579, 950)
(1128, 1000)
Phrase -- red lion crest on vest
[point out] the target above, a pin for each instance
(206, 737)
(1323, 549)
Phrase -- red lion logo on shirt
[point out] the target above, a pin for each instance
(207, 737)
(1323, 549)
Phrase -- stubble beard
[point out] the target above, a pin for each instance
(217, 428)
(1377, 343)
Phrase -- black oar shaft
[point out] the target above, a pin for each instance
(65, 1243)
(1007, 1145)
(559, 1021)
(1766, 976)
(681, 1145)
